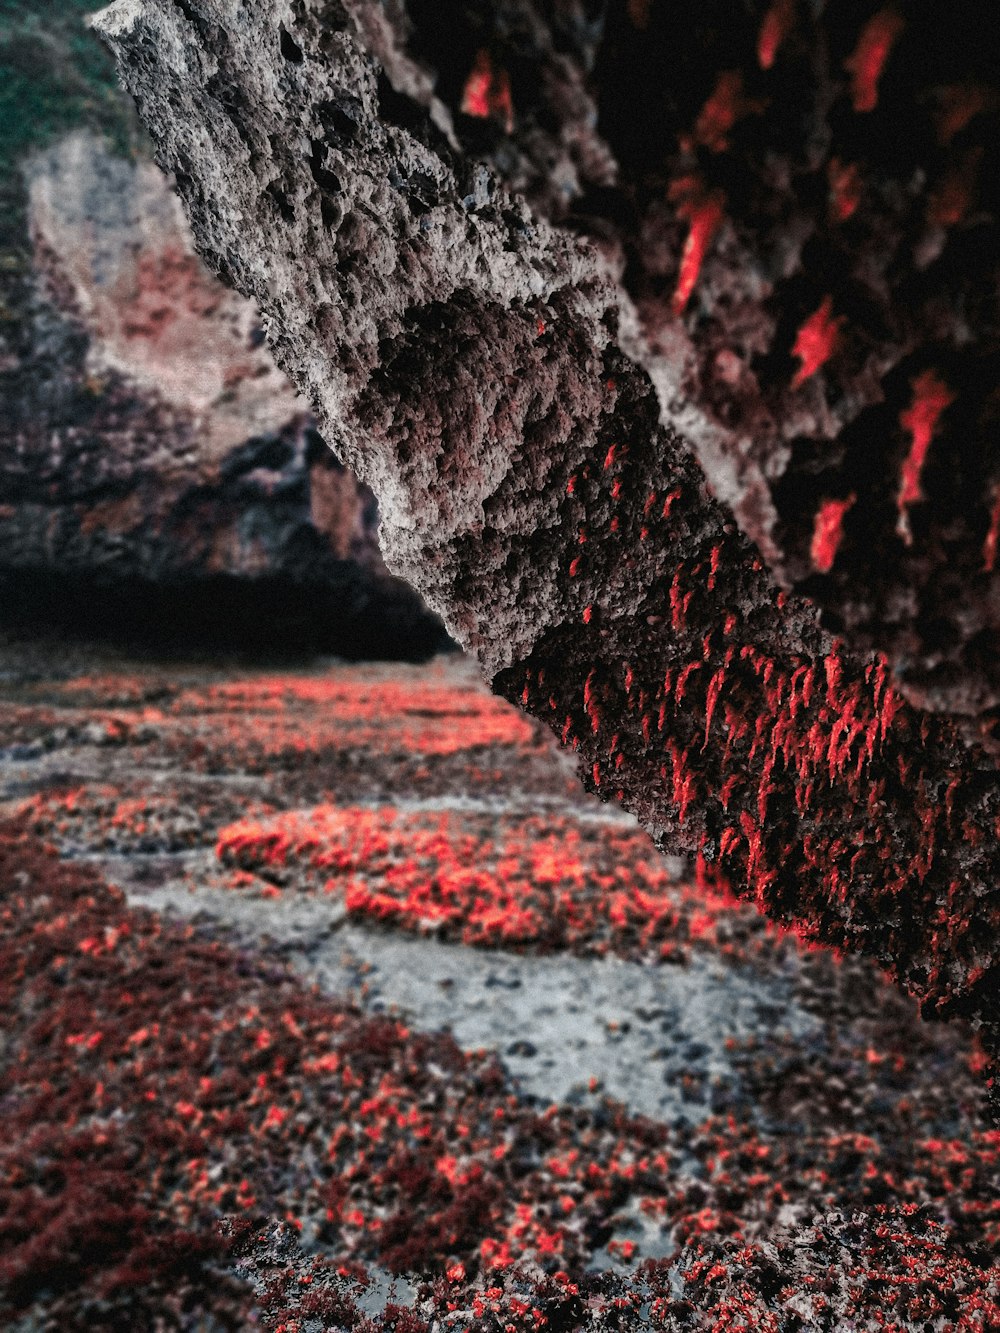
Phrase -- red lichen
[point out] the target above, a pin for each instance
(867, 63)
(845, 188)
(992, 536)
(704, 213)
(816, 341)
(959, 104)
(952, 196)
(828, 532)
(726, 105)
(777, 24)
(487, 93)
(931, 397)
(803, 779)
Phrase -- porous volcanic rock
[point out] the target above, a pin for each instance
(804, 217)
(492, 382)
(154, 462)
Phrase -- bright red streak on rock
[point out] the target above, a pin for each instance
(723, 109)
(828, 531)
(704, 214)
(776, 26)
(992, 537)
(845, 188)
(711, 699)
(487, 93)
(816, 341)
(865, 66)
(713, 566)
(931, 396)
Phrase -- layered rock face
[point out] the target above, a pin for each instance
(616, 461)
(154, 462)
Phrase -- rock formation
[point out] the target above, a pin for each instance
(803, 214)
(155, 465)
(615, 461)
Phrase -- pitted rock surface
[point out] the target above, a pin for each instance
(804, 214)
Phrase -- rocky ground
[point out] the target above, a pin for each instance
(330, 1002)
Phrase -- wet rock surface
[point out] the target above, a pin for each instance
(505, 387)
(378, 991)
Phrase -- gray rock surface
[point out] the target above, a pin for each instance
(557, 1022)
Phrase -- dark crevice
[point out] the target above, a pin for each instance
(350, 615)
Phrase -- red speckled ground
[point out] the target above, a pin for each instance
(194, 1138)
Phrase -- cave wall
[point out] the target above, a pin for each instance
(151, 452)
(800, 203)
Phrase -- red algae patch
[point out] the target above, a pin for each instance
(349, 713)
(434, 712)
(546, 881)
(102, 817)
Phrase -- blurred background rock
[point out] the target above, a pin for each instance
(159, 478)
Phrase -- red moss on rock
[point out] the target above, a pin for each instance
(550, 882)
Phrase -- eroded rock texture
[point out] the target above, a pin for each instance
(803, 211)
(539, 439)
(154, 462)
